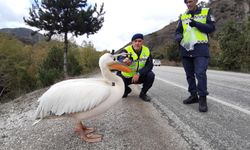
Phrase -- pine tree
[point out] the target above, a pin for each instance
(64, 17)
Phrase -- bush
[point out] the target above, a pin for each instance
(234, 43)
(214, 49)
(52, 67)
(173, 53)
(88, 58)
(14, 61)
(73, 65)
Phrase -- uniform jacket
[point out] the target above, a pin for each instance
(148, 66)
(200, 49)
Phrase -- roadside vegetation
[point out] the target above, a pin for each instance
(24, 68)
(229, 48)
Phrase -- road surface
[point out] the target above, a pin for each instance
(227, 123)
(132, 124)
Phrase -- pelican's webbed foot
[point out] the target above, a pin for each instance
(86, 133)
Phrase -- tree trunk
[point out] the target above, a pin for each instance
(65, 55)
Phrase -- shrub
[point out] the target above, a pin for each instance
(52, 67)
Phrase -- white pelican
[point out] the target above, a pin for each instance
(84, 98)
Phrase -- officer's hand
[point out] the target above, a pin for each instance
(127, 61)
(135, 78)
(192, 23)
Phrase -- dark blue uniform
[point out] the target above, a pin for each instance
(195, 62)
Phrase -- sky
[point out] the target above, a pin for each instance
(122, 19)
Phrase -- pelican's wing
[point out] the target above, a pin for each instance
(72, 96)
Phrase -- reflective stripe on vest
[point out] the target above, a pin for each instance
(137, 63)
(202, 18)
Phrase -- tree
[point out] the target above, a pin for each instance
(231, 40)
(64, 17)
(88, 57)
(202, 4)
(245, 56)
(173, 53)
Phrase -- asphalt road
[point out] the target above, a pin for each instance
(227, 123)
(163, 124)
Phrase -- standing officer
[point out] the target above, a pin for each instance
(139, 60)
(192, 34)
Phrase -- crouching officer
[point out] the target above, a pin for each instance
(140, 62)
(192, 34)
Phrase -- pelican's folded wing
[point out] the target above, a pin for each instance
(72, 96)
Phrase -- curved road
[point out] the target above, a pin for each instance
(226, 125)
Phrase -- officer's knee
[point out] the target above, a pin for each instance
(200, 73)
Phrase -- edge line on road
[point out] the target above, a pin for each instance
(210, 97)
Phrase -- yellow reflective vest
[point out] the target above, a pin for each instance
(138, 62)
(199, 36)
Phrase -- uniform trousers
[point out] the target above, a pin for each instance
(196, 68)
(146, 80)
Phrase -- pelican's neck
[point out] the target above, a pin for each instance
(107, 74)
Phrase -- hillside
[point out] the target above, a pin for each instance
(24, 35)
(223, 10)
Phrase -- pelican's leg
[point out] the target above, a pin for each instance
(87, 129)
(85, 135)
(79, 127)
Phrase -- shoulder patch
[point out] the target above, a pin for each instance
(212, 18)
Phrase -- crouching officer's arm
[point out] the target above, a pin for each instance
(148, 66)
(143, 71)
(125, 59)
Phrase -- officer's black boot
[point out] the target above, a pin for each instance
(145, 97)
(127, 91)
(191, 99)
(203, 104)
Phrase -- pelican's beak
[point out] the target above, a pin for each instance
(120, 67)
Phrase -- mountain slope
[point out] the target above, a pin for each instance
(23, 34)
(223, 10)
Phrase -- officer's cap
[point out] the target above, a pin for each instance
(185, 1)
(137, 36)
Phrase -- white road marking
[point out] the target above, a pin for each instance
(210, 97)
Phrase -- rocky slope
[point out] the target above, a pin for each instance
(23, 34)
(223, 10)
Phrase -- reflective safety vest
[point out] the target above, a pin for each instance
(138, 62)
(199, 37)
